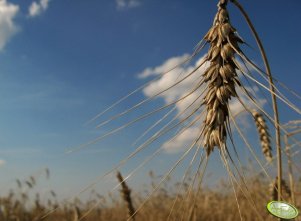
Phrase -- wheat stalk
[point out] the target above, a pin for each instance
(272, 91)
(264, 135)
(126, 195)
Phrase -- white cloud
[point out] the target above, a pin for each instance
(36, 8)
(123, 4)
(8, 28)
(184, 140)
(182, 89)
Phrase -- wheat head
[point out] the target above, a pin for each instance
(264, 135)
(221, 78)
(126, 195)
(274, 189)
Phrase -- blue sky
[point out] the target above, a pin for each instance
(61, 62)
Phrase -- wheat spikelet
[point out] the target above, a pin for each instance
(274, 189)
(126, 195)
(221, 78)
(264, 135)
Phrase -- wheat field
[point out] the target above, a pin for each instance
(223, 84)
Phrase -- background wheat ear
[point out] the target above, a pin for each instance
(264, 135)
(126, 195)
(274, 189)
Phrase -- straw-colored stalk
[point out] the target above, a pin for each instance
(264, 135)
(290, 162)
(272, 91)
(221, 78)
(126, 195)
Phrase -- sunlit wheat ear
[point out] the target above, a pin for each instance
(264, 135)
(126, 195)
(274, 190)
(221, 78)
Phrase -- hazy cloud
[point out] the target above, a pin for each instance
(36, 8)
(123, 4)
(8, 28)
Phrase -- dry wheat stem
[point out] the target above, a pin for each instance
(286, 134)
(240, 173)
(268, 116)
(141, 165)
(154, 125)
(296, 142)
(125, 125)
(272, 89)
(160, 149)
(264, 75)
(280, 95)
(179, 189)
(97, 203)
(191, 185)
(249, 198)
(189, 191)
(249, 147)
(201, 176)
(168, 173)
(290, 168)
(198, 49)
(242, 177)
(166, 115)
(152, 97)
(161, 108)
(145, 161)
(261, 91)
(223, 157)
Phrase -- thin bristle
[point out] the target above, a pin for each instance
(264, 135)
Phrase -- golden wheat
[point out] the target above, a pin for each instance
(221, 77)
(264, 135)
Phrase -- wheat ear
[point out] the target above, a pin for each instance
(221, 78)
(274, 189)
(126, 195)
(264, 135)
